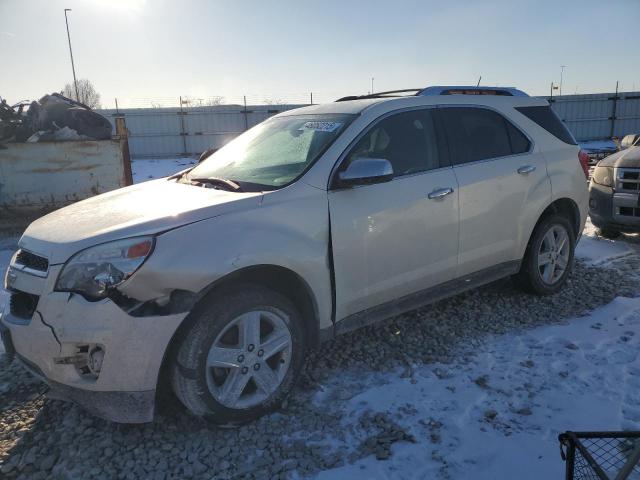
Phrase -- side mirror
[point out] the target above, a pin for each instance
(366, 171)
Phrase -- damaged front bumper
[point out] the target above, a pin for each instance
(92, 353)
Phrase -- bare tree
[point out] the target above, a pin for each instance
(86, 92)
(273, 101)
(213, 101)
(202, 102)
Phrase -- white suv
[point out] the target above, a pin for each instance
(217, 280)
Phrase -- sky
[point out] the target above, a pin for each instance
(153, 51)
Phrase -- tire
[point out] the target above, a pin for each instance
(226, 370)
(608, 233)
(544, 271)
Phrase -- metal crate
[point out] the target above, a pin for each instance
(601, 455)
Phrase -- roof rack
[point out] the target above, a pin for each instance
(442, 90)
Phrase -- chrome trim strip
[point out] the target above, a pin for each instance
(30, 271)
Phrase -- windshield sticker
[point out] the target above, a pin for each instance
(321, 126)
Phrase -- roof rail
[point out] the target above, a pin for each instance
(389, 93)
(442, 90)
(472, 90)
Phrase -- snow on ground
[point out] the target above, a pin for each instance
(596, 250)
(599, 251)
(144, 170)
(497, 410)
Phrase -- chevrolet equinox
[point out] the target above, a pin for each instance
(218, 280)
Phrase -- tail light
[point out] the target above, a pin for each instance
(584, 162)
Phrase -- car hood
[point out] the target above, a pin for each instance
(143, 209)
(627, 158)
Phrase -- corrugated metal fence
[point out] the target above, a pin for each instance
(175, 132)
(599, 116)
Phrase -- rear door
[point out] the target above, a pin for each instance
(391, 239)
(503, 185)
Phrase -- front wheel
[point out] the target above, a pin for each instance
(549, 257)
(238, 357)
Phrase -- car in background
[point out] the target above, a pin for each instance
(614, 192)
(631, 140)
(599, 150)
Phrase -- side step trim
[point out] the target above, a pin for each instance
(426, 297)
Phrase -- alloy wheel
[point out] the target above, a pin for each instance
(249, 359)
(554, 254)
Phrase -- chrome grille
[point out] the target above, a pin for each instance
(628, 180)
(25, 259)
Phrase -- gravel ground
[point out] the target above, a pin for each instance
(41, 438)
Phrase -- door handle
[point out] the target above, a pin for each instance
(440, 193)
(525, 169)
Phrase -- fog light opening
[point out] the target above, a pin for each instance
(95, 359)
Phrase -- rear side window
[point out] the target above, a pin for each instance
(408, 140)
(547, 119)
(480, 134)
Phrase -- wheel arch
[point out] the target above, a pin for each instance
(280, 279)
(563, 206)
(566, 207)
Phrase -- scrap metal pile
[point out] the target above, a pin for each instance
(53, 118)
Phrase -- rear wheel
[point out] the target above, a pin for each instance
(239, 356)
(549, 257)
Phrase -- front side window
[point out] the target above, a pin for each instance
(274, 153)
(407, 140)
(480, 134)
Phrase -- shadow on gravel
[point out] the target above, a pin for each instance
(42, 438)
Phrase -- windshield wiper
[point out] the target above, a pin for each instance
(218, 181)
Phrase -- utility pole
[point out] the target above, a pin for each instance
(73, 68)
(479, 80)
(562, 67)
(372, 85)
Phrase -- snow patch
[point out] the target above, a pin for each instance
(596, 250)
(497, 412)
(144, 170)
(599, 251)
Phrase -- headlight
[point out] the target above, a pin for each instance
(603, 176)
(94, 271)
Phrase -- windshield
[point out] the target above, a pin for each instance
(274, 153)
